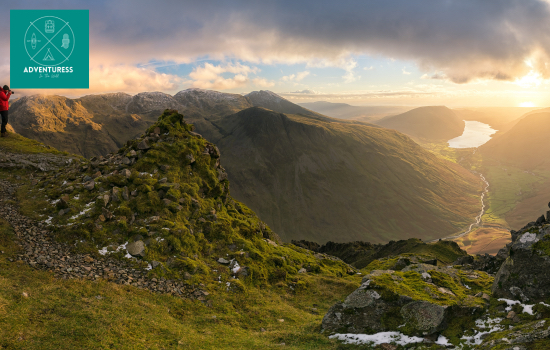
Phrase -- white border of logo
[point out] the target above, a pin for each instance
(31, 57)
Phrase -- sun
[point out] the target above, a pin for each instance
(527, 104)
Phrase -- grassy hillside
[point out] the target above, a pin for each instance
(320, 181)
(434, 123)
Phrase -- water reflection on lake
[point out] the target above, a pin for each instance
(475, 134)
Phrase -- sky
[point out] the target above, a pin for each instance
(412, 53)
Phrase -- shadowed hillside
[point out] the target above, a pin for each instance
(316, 180)
(434, 123)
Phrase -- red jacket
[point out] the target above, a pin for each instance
(4, 105)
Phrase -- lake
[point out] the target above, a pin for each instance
(475, 134)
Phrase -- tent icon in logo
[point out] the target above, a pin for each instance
(48, 57)
(50, 26)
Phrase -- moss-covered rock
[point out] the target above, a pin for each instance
(421, 299)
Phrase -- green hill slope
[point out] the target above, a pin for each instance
(433, 123)
(318, 180)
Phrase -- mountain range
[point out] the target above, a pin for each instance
(307, 175)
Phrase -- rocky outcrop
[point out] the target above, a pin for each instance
(421, 299)
(525, 274)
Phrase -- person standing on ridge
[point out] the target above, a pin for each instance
(5, 94)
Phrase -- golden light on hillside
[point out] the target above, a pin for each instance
(527, 104)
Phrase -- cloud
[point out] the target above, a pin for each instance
(210, 76)
(466, 40)
(262, 82)
(295, 77)
(435, 76)
(368, 68)
(405, 72)
(306, 92)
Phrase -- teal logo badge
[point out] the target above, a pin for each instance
(49, 49)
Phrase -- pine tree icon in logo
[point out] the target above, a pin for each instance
(50, 26)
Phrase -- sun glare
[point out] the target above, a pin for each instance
(527, 104)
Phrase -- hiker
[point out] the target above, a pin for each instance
(5, 94)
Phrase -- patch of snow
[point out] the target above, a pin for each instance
(55, 201)
(149, 267)
(467, 286)
(376, 339)
(104, 251)
(77, 196)
(48, 220)
(64, 182)
(442, 341)
(236, 267)
(80, 214)
(526, 307)
(528, 237)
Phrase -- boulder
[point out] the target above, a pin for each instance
(136, 248)
(144, 144)
(126, 173)
(424, 316)
(89, 185)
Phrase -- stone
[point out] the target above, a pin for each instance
(136, 248)
(163, 180)
(302, 270)
(424, 316)
(125, 194)
(126, 173)
(166, 201)
(144, 145)
(223, 261)
(96, 174)
(164, 167)
(90, 185)
(115, 194)
(511, 315)
(126, 161)
(388, 346)
(134, 193)
(154, 263)
(156, 130)
(190, 158)
(106, 199)
(87, 178)
(187, 276)
(222, 175)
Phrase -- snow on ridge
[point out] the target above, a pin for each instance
(265, 95)
(211, 94)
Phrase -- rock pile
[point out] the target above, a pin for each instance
(40, 250)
